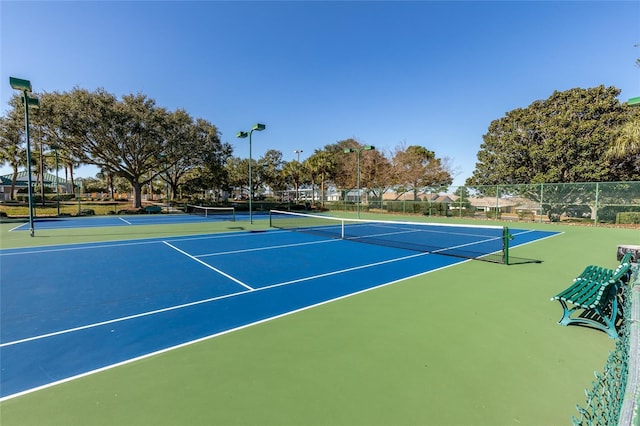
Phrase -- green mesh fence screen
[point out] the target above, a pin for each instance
(609, 391)
(594, 202)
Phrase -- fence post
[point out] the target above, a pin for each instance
(541, 195)
(497, 201)
(595, 216)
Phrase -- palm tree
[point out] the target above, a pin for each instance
(628, 142)
(292, 172)
(321, 167)
(11, 150)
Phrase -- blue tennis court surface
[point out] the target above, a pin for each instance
(70, 310)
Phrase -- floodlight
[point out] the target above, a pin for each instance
(20, 84)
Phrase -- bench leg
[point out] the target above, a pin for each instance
(608, 324)
(566, 313)
(610, 321)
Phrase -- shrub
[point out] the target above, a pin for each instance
(628, 218)
(610, 213)
(492, 213)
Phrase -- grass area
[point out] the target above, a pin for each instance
(476, 343)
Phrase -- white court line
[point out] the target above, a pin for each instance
(124, 243)
(82, 247)
(19, 226)
(424, 229)
(212, 299)
(354, 268)
(221, 333)
(125, 221)
(224, 274)
(121, 319)
(267, 248)
(171, 308)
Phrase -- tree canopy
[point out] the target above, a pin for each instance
(560, 139)
(131, 137)
(578, 135)
(416, 168)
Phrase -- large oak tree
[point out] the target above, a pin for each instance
(135, 139)
(560, 139)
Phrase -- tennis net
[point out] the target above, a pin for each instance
(487, 243)
(222, 213)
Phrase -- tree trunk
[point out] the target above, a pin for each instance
(173, 190)
(13, 181)
(137, 194)
(73, 186)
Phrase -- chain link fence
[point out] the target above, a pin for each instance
(611, 398)
(594, 202)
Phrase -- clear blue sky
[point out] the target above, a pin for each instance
(421, 73)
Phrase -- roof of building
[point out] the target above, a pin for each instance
(22, 178)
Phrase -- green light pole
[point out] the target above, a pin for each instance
(357, 151)
(55, 149)
(259, 127)
(79, 196)
(25, 87)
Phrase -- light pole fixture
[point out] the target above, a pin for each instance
(357, 151)
(298, 151)
(55, 149)
(259, 127)
(25, 87)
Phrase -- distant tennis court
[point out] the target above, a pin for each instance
(196, 215)
(70, 310)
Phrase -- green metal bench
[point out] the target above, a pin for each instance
(153, 209)
(593, 296)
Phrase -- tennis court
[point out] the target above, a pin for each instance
(117, 293)
(87, 307)
(203, 215)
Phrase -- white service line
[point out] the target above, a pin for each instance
(209, 266)
(19, 226)
(225, 296)
(125, 221)
(202, 339)
(342, 271)
(222, 253)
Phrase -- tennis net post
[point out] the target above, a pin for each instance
(506, 238)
